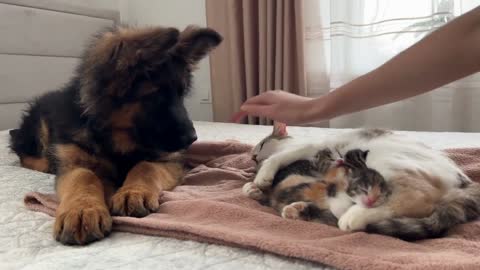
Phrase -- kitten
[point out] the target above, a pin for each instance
(305, 189)
(366, 186)
(426, 192)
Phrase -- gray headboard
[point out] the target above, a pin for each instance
(40, 42)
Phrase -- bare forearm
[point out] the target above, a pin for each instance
(446, 55)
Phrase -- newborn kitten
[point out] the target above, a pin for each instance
(366, 186)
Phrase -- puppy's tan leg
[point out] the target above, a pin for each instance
(141, 190)
(82, 216)
(35, 163)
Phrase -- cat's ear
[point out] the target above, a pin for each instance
(280, 129)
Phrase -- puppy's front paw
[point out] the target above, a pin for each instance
(294, 210)
(82, 222)
(252, 191)
(354, 219)
(134, 201)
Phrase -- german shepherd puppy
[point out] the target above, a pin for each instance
(113, 134)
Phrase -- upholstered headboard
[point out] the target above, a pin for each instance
(40, 42)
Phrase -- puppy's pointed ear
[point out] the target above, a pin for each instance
(196, 42)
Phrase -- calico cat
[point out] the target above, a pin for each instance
(307, 189)
(418, 192)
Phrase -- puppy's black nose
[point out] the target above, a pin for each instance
(188, 139)
(193, 138)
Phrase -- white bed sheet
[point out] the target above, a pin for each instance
(26, 237)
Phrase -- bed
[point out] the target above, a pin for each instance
(27, 241)
(26, 236)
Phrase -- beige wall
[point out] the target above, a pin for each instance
(39, 50)
(98, 4)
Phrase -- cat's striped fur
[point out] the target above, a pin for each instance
(456, 207)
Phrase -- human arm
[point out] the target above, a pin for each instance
(448, 54)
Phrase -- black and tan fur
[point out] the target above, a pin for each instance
(109, 132)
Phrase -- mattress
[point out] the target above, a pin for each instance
(26, 237)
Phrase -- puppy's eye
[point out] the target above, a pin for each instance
(146, 89)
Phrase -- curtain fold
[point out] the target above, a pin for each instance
(263, 49)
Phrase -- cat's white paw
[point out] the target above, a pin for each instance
(265, 175)
(252, 191)
(355, 219)
(294, 210)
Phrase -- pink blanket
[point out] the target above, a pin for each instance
(210, 207)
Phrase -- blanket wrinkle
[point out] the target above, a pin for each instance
(210, 207)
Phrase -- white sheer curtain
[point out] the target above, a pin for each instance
(348, 38)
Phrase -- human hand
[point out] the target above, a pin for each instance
(276, 105)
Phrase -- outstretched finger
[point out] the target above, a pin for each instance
(238, 116)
